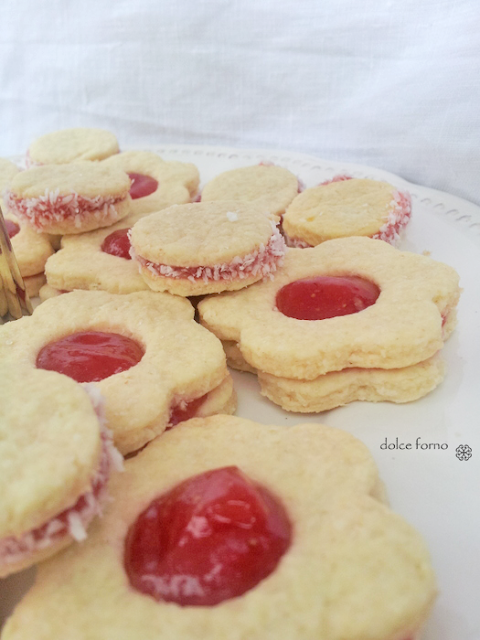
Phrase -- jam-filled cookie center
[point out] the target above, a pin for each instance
(142, 185)
(12, 228)
(209, 539)
(118, 244)
(325, 297)
(90, 356)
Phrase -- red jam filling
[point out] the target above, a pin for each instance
(326, 297)
(12, 228)
(90, 356)
(210, 538)
(185, 410)
(142, 185)
(118, 244)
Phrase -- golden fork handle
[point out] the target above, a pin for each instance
(14, 301)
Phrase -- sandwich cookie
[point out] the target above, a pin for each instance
(270, 186)
(345, 207)
(154, 365)
(156, 184)
(70, 198)
(55, 459)
(206, 247)
(373, 315)
(71, 145)
(209, 536)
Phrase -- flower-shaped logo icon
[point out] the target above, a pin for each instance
(463, 452)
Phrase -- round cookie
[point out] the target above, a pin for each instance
(70, 198)
(164, 183)
(352, 568)
(346, 207)
(206, 247)
(55, 460)
(270, 186)
(71, 145)
(85, 262)
(168, 367)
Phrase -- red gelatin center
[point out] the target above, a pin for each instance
(90, 356)
(142, 185)
(326, 297)
(209, 539)
(185, 410)
(118, 244)
(12, 228)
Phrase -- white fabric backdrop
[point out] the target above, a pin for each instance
(393, 84)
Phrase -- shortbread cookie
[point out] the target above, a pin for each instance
(346, 207)
(406, 324)
(270, 186)
(55, 459)
(71, 145)
(32, 249)
(206, 247)
(98, 259)
(33, 284)
(151, 361)
(290, 538)
(156, 184)
(7, 172)
(338, 388)
(46, 292)
(70, 198)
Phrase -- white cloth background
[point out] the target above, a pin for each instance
(392, 84)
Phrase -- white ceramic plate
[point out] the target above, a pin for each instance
(429, 485)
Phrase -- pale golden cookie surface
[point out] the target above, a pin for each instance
(71, 145)
(32, 249)
(50, 448)
(409, 322)
(354, 568)
(271, 186)
(81, 264)
(213, 236)
(356, 207)
(182, 360)
(177, 181)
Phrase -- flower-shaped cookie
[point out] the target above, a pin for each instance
(406, 321)
(348, 567)
(152, 362)
(156, 184)
(345, 207)
(98, 259)
(69, 198)
(55, 459)
(207, 247)
(272, 187)
(71, 145)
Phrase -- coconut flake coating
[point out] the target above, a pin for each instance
(51, 453)
(262, 262)
(69, 198)
(346, 207)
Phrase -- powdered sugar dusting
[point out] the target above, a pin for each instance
(54, 207)
(72, 521)
(262, 262)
